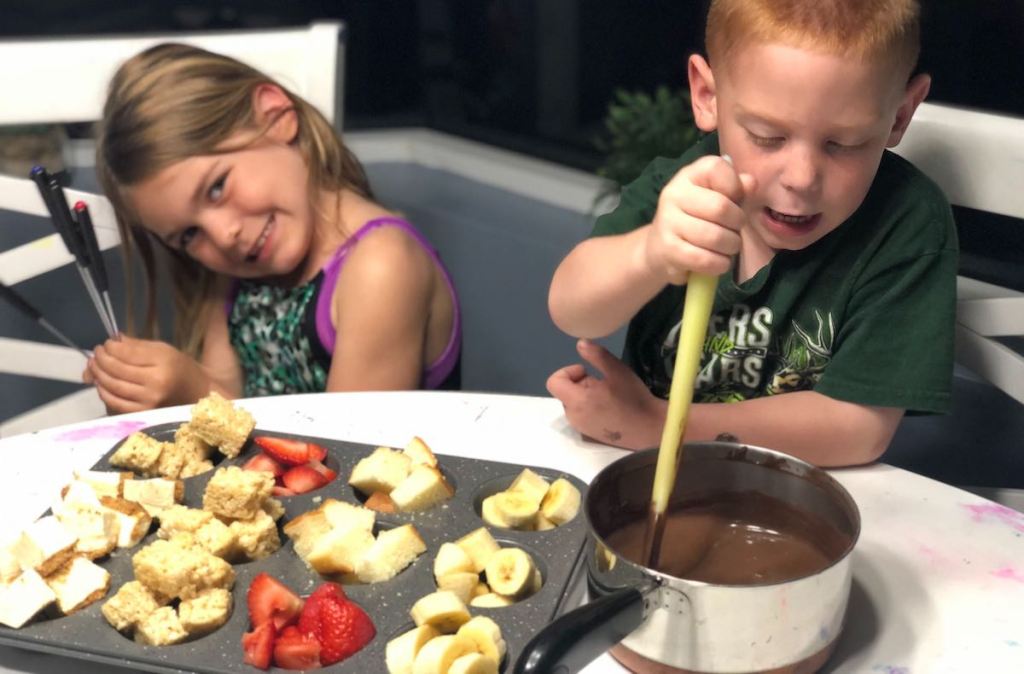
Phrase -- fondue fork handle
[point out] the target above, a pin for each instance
(583, 634)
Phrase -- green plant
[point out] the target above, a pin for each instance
(640, 127)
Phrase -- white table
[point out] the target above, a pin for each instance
(938, 572)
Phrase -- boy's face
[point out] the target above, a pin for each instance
(809, 126)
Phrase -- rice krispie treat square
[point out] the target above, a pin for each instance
(205, 612)
(218, 422)
(177, 570)
(160, 628)
(236, 493)
(131, 604)
(139, 453)
(257, 537)
(172, 460)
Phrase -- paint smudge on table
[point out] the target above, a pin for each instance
(889, 669)
(1009, 573)
(116, 431)
(988, 512)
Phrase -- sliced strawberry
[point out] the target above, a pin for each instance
(270, 601)
(317, 452)
(344, 629)
(295, 650)
(264, 461)
(309, 619)
(301, 479)
(289, 452)
(258, 645)
(283, 491)
(322, 469)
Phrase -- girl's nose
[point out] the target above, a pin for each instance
(224, 230)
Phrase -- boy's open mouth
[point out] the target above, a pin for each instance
(257, 248)
(789, 223)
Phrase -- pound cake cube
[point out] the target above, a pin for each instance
(424, 488)
(382, 470)
(339, 550)
(205, 612)
(343, 515)
(160, 628)
(9, 566)
(78, 584)
(420, 452)
(44, 546)
(130, 605)
(138, 452)
(393, 550)
(133, 520)
(103, 482)
(176, 570)
(305, 529)
(256, 538)
(23, 598)
(95, 527)
(236, 493)
(154, 494)
(216, 421)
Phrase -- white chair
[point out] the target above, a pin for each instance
(64, 80)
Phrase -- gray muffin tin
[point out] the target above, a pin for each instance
(557, 553)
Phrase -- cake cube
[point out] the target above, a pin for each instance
(44, 546)
(9, 566)
(160, 628)
(205, 612)
(216, 421)
(424, 488)
(154, 494)
(393, 550)
(343, 515)
(382, 470)
(339, 550)
(256, 538)
(131, 604)
(78, 584)
(138, 453)
(237, 493)
(95, 527)
(103, 482)
(133, 520)
(23, 598)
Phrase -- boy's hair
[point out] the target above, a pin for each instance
(172, 102)
(863, 29)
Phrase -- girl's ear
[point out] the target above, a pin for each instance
(703, 95)
(272, 107)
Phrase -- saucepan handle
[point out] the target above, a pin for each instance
(581, 635)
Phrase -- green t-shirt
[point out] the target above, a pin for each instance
(865, 314)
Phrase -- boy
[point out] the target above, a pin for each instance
(836, 300)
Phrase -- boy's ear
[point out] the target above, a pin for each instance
(916, 91)
(702, 93)
(273, 107)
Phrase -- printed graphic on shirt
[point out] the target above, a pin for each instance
(743, 357)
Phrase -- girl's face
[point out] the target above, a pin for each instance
(244, 213)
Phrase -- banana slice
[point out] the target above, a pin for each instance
(516, 508)
(531, 484)
(537, 581)
(481, 588)
(510, 572)
(562, 501)
(400, 652)
(543, 523)
(491, 600)
(461, 583)
(490, 514)
(479, 544)
(473, 663)
(486, 634)
(442, 610)
(452, 559)
(437, 656)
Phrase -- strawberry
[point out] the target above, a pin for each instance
(282, 491)
(316, 452)
(295, 650)
(264, 461)
(309, 619)
(258, 645)
(301, 479)
(270, 601)
(344, 629)
(322, 469)
(284, 450)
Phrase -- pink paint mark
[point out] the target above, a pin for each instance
(889, 669)
(993, 511)
(121, 429)
(1009, 574)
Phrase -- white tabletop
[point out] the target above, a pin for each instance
(938, 573)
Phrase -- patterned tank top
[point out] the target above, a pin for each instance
(284, 337)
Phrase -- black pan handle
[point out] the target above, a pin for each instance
(581, 635)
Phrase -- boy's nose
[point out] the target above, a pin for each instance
(801, 171)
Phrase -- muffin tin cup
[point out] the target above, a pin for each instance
(558, 552)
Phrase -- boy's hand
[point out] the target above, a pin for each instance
(697, 224)
(137, 374)
(616, 409)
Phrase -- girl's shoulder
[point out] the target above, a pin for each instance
(386, 245)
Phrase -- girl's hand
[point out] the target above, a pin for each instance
(697, 224)
(137, 374)
(616, 409)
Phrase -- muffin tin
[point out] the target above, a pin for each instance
(557, 553)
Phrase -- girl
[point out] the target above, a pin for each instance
(287, 276)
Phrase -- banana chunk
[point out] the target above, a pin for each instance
(442, 610)
(438, 654)
(561, 503)
(510, 572)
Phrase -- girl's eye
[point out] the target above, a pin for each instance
(765, 141)
(187, 237)
(216, 190)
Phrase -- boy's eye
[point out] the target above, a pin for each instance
(765, 141)
(187, 236)
(216, 189)
(840, 147)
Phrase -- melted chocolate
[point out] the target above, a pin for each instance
(736, 538)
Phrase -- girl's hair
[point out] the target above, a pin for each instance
(862, 29)
(172, 102)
